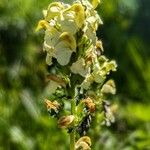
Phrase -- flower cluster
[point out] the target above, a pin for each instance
(77, 66)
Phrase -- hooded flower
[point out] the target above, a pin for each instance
(83, 143)
(79, 14)
(109, 87)
(79, 67)
(53, 10)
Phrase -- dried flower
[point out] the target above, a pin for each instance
(90, 104)
(56, 79)
(65, 121)
(53, 10)
(52, 105)
(52, 108)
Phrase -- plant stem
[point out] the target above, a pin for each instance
(72, 134)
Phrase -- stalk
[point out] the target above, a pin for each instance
(72, 134)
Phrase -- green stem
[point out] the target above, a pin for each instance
(72, 134)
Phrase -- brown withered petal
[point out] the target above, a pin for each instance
(56, 79)
(65, 121)
(52, 105)
(90, 104)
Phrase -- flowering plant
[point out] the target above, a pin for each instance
(78, 69)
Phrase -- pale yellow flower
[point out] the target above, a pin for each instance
(109, 87)
(62, 53)
(83, 143)
(79, 67)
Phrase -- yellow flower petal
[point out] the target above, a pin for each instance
(44, 13)
(53, 10)
(79, 14)
(99, 45)
(95, 3)
(69, 39)
(67, 22)
(42, 24)
(52, 36)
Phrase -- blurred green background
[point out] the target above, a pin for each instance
(24, 122)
